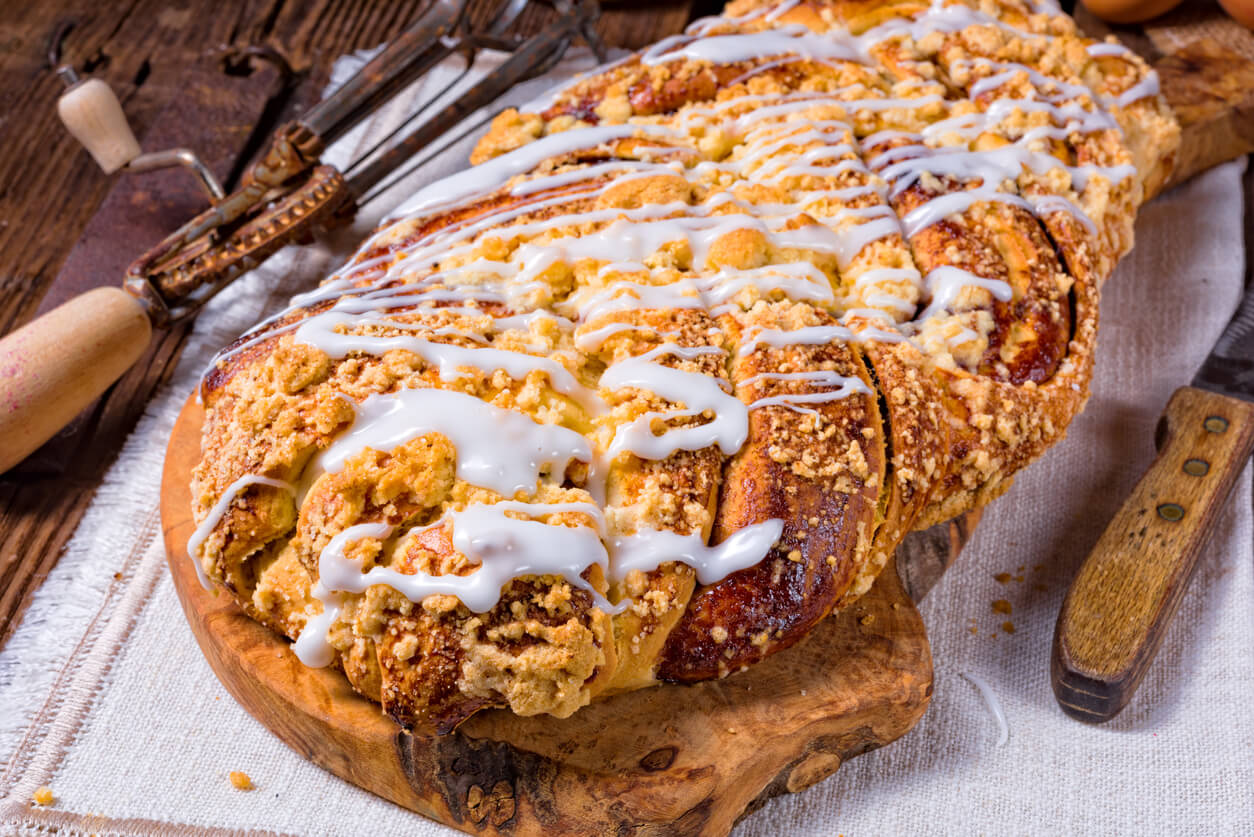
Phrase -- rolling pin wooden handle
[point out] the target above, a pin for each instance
(54, 366)
(1120, 603)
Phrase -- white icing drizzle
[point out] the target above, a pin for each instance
(955, 203)
(887, 301)
(844, 387)
(504, 547)
(797, 281)
(832, 45)
(319, 331)
(1008, 70)
(903, 165)
(1143, 89)
(937, 18)
(944, 284)
(592, 341)
(312, 646)
(702, 394)
(994, 166)
(804, 336)
(500, 449)
(214, 517)
(648, 549)
(703, 25)
(994, 706)
(852, 239)
(486, 177)
(731, 49)
(1108, 49)
(634, 296)
(887, 274)
(580, 175)
(1045, 7)
(1044, 205)
(507, 548)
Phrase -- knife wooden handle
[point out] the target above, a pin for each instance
(54, 366)
(1120, 603)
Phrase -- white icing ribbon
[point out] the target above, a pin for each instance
(216, 513)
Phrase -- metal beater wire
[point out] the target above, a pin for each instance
(447, 140)
(387, 141)
(530, 57)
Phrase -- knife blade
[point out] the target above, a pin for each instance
(1117, 609)
(1229, 368)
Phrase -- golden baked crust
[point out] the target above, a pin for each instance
(794, 284)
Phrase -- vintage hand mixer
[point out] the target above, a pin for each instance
(55, 366)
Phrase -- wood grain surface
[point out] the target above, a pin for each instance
(1117, 610)
(680, 760)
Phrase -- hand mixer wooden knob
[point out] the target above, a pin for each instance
(92, 113)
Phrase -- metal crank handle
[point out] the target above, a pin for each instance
(90, 110)
(54, 366)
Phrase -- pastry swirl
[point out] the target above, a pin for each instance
(667, 375)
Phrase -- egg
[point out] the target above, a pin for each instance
(1241, 10)
(1135, 11)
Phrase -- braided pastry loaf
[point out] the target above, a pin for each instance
(667, 376)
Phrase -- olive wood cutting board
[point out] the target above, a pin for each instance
(671, 759)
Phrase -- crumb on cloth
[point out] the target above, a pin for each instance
(240, 780)
(43, 796)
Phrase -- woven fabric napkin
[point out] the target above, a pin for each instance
(105, 698)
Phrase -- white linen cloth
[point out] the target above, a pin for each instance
(105, 697)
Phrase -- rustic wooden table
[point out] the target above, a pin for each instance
(200, 73)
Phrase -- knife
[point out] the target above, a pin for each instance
(1119, 605)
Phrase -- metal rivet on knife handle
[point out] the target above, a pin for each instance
(1196, 467)
(1171, 512)
(1216, 424)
